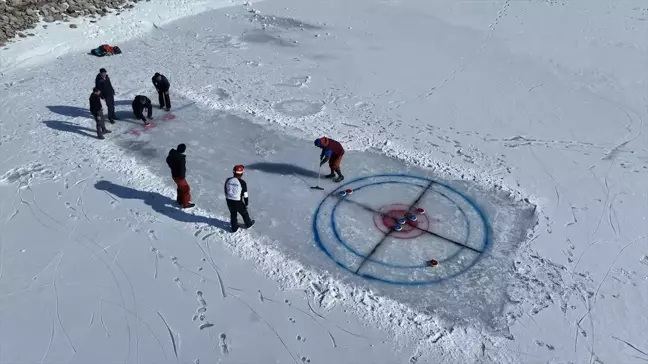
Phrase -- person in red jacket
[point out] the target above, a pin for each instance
(332, 153)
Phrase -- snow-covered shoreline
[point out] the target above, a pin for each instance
(59, 39)
(19, 17)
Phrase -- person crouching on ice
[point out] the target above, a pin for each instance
(332, 152)
(178, 164)
(140, 103)
(236, 195)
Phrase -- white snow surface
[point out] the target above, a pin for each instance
(532, 110)
(52, 40)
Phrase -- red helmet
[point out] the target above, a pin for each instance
(238, 169)
(324, 141)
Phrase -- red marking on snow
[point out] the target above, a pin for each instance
(146, 127)
(389, 216)
(433, 262)
(168, 117)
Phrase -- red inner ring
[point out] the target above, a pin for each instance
(388, 217)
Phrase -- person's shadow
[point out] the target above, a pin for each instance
(282, 168)
(74, 111)
(161, 204)
(70, 111)
(70, 128)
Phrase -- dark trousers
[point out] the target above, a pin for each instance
(101, 123)
(110, 105)
(235, 208)
(165, 100)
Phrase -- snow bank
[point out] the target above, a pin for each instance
(59, 39)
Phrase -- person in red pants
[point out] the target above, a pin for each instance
(177, 163)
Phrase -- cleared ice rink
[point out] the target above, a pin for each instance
(455, 259)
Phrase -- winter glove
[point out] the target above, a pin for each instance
(324, 159)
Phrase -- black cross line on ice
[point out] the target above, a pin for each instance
(368, 208)
(387, 234)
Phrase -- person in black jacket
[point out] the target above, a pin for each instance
(162, 86)
(140, 103)
(177, 163)
(102, 82)
(97, 112)
(236, 196)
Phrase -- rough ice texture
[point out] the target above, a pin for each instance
(510, 114)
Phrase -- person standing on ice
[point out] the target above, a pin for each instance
(140, 103)
(332, 153)
(178, 165)
(236, 195)
(162, 86)
(97, 112)
(102, 82)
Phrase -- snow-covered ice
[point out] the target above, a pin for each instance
(517, 126)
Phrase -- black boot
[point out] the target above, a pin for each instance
(340, 176)
(332, 175)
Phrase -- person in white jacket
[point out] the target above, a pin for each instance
(236, 195)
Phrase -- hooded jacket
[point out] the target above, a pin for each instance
(162, 85)
(177, 163)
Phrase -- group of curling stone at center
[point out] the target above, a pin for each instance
(235, 188)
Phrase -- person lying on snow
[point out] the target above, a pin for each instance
(140, 103)
(105, 50)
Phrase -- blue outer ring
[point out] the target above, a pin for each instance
(336, 232)
(487, 232)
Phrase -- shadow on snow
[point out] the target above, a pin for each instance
(161, 204)
(69, 127)
(282, 168)
(75, 111)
